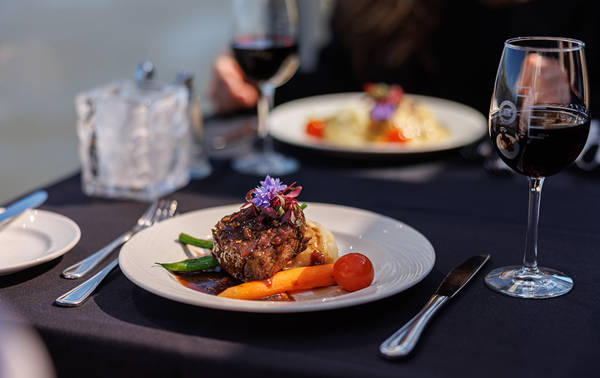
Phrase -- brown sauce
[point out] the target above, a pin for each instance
(207, 282)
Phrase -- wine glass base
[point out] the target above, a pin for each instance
(518, 281)
(268, 163)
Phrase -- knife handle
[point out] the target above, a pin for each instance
(404, 340)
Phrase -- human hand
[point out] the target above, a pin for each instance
(230, 91)
(543, 81)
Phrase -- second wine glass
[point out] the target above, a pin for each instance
(265, 46)
(539, 122)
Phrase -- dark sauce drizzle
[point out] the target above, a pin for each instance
(212, 282)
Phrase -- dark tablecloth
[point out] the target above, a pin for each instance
(125, 331)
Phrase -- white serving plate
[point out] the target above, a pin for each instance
(287, 123)
(401, 257)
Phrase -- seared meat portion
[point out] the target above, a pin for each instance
(249, 248)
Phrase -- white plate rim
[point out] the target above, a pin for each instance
(195, 298)
(280, 130)
(59, 251)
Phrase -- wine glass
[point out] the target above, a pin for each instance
(265, 46)
(538, 123)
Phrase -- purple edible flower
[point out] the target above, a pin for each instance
(382, 111)
(268, 189)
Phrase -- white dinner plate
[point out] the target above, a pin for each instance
(35, 237)
(401, 257)
(287, 123)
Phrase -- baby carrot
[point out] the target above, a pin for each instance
(295, 279)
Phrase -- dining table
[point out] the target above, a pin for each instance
(462, 209)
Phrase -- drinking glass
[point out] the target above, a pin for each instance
(265, 46)
(538, 123)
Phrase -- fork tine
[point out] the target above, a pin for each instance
(158, 211)
(172, 208)
(148, 214)
(168, 210)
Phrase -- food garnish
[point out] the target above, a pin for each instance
(386, 97)
(276, 200)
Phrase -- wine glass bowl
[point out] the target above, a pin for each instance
(538, 124)
(269, 59)
(265, 47)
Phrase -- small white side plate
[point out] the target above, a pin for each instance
(35, 237)
(401, 257)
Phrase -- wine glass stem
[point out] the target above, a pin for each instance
(535, 195)
(265, 102)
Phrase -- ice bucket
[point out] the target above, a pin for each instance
(134, 139)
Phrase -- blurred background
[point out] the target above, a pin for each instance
(54, 49)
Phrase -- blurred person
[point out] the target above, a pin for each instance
(431, 47)
(23, 353)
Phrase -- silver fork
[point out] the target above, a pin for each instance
(78, 295)
(77, 270)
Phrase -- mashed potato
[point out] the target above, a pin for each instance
(350, 127)
(321, 248)
(417, 123)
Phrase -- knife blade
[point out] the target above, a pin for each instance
(402, 342)
(33, 200)
(461, 275)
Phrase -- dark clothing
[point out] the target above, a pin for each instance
(464, 51)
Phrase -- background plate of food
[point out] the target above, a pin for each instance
(380, 121)
(400, 256)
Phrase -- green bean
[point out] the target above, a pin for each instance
(187, 239)
(191, 265)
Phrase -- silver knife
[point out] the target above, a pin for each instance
(404, 340)
(33, 200)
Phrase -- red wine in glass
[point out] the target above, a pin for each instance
(264, 45)
(263, 58)
(542, 140)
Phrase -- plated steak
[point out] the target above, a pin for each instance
(254, 248)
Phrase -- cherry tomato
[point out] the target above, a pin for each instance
(315, 128)
(395, 136)
(353, 271)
